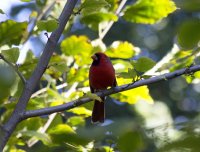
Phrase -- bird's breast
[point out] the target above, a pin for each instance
(101, 77)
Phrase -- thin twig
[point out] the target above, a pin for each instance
(80, 101)
(119, 9)
(15, 68)
(45, 89)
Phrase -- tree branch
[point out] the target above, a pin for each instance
(80, 101)
(19, 111)
(119, 9)
(15, 68)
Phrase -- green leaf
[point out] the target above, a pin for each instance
(191, 5)
(11, 54)
(40, 136)
(41, 2)
(93, 20)
(76, 121)
(113, 4)
(143, 64)
(131, 142)
(12, 32)
(189, 34)
(149, 11)
(76, 45)
(89, 6)
(1, 11)
(131, 74)
(47, 25)
(121, 50)
(190, 142)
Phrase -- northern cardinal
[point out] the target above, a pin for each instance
(101, 76)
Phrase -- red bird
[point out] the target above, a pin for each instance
(101, 76)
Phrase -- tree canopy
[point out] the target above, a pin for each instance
(44, 68)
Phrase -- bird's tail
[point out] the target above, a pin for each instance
(98, 113)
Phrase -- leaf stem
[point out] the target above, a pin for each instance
(14, 67)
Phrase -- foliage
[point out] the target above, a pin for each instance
(135, 121)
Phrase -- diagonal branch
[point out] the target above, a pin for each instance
(14, 68)
(80, 101)
(19, 111)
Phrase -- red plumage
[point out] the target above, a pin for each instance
(101, 76)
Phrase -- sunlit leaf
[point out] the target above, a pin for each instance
(121, 50)
(40, 136)
(149, 11)
(11, 54)
(189, 34)
(89, 6)
(81, 111)
(93, 20)
(47, 25)
(76, 45)
(61, 129)
(143, 64)
(134, 95)
(12, 32)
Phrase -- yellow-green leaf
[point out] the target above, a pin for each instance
(76, 45)
(149, 11)
(134, 95)
(121, 50)
(81, 111)
(61, 129)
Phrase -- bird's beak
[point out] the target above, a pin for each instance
(94, 57)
